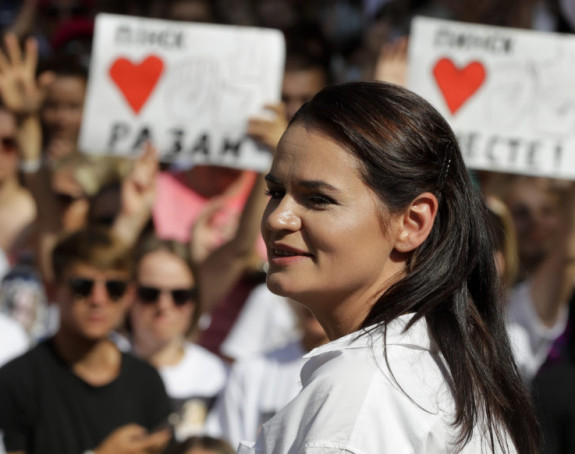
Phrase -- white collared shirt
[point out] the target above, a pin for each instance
(352, 402)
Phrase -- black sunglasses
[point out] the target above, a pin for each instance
(83, 287)
(67, 199)
(8, 144)
(180, 296)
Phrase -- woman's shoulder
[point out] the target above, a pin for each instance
(373, 396)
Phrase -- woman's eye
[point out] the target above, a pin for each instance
(318, 199)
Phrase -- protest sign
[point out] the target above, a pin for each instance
(508, 94)
(188, 88)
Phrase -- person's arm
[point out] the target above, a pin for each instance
(552, 282)
(24, 95)
(220, 271)
(24, 23)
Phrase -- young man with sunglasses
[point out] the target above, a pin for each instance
(77, 392)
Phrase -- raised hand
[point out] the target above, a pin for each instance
(19, 89)
(138, 189)
(268, 130)
(391, 64)
(138, 194)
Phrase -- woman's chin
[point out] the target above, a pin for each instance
(278, 286)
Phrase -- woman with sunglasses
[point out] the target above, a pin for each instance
(162, 318)
(374, 225)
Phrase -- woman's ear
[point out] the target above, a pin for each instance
(416, 222)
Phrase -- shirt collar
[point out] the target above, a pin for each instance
(416, 335)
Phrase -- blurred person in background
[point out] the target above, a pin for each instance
(261, 384)
(76, 391)
(63, 106)
(162, 320)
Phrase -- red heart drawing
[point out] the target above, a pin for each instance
(137, 81)
(458, 85)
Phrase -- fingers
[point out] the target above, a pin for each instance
(211, 208)
(258, 126)
(31, 56)
(146, 166)
(13, 49)
(391, 65)
(156, 442)
(279, 109)
(4, 63)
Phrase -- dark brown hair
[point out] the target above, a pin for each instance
(91, 246)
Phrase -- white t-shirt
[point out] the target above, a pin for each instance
(257, 389)
(351, 403)
(195, 383)
(265, 323)
(530, 339)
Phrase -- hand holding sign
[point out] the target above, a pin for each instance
(174, 84)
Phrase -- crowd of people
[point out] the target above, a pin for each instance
(121, 332)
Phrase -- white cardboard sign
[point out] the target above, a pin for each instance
(508, 94)
(188, 88)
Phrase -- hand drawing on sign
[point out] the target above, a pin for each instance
(556, 111)
(192, 88)
(511, 95)
(136, 81)
(457, 85)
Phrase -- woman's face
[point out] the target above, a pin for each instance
(164, 319)
(62, 113)
(329, 238)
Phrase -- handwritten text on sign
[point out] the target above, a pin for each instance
(508, 94)
(188, 88)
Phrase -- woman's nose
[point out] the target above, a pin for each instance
(282, 215)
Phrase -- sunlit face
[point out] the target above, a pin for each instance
(94, 315)
(329, 238)
(162, 321)
(62, 112)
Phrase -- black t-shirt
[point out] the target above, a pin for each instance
(554, 397)
(46, 408)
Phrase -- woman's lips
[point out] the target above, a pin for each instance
(284, 255)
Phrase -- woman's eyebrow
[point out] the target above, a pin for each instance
(270, 178)
(317, 184)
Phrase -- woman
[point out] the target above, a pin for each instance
(374, 225)
(164, 314)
